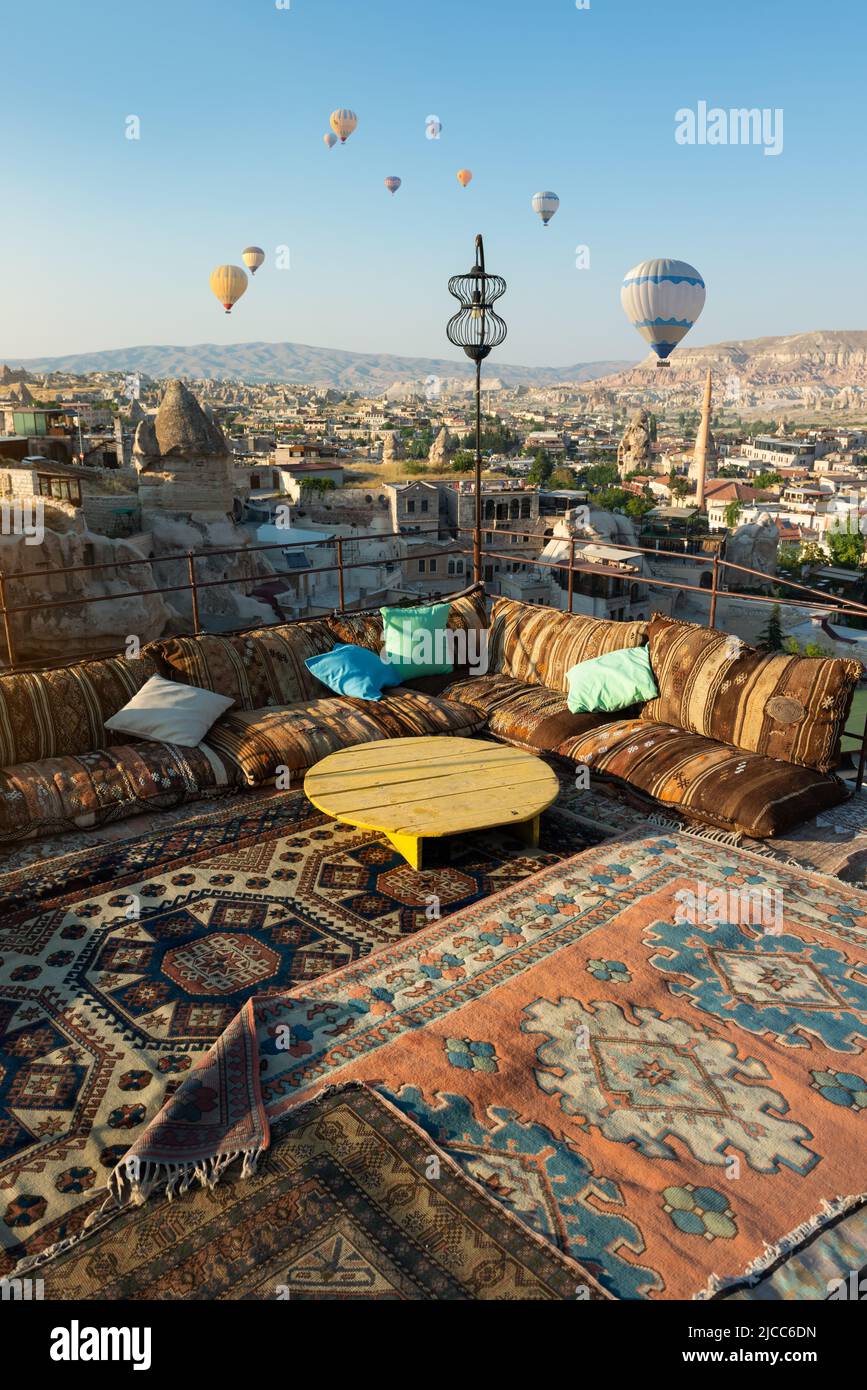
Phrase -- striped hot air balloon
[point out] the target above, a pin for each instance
(330, 139)
(253, 257)
(392, 183)
(343, 123)
(662, 300)
(545, 205)
(228, 282)
(464, 177)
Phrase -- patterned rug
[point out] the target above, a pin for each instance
(121, 962)
(652, 1054)
(354, 1202)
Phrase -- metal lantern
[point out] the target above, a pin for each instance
(477, 329)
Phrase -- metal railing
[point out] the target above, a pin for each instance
(567, 563)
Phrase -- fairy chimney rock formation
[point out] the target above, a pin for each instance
(441, 447)
(183, 460)
(633, 451)
(392, 446)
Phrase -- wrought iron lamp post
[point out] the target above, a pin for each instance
(477, 329)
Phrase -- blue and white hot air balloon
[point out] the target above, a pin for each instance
(545, 205)
(662, 300)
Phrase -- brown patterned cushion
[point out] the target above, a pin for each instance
(706, 781)
(69, 793)
(530, 716)
(793, 708)
(365, 629)
(255, 669)
(539, 645)
(258, 743)
(46, 714)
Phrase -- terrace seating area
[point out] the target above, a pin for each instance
(168, 913)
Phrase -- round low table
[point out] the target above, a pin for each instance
(417, 789)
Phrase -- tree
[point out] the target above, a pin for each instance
(678, 486)
(541, 469)
(638, 506)
(766, 480)
(732, 514)
(772, 638)
(563, 478)
(463, 461)
(847, 548)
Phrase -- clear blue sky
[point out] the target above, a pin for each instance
(109, 242)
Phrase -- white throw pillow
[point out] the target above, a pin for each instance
(170, 712)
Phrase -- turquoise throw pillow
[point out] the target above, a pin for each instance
(356, 671)
(611, 682)
(415, 640)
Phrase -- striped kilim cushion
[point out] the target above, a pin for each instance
(255, 669)
(259, 744)
(365, 629)
(789, 707)
(539, 645)
(48, 714)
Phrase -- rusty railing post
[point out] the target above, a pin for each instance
(714, 589)
(341, 596)
(194, 593)
(7, 624)
(571, 571)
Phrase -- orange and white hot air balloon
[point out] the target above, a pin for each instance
(343, 123)
(464, 177)
(228, 283)
(253, 257)
(330, 139)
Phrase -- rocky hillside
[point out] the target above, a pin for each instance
(296, 362)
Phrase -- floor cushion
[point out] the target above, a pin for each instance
(264, 744)
(78, 793)
(255, 669)
(529, 716)
(467, 611)
(793, 708)
(539, 645)
(47, 714)
(709, 781)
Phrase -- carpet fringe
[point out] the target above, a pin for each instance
(132, 1182)
(760, 1266)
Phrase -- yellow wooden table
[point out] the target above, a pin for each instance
(416, 789)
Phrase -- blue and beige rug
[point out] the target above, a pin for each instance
(121, 963)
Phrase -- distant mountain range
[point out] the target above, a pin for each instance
(297, 362)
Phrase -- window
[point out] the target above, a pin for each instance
(525, 506)
(451, 567)
(410, 506)
(424, 504)
(421, 565)
(460, 566)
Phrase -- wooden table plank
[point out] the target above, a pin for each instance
(419, 788)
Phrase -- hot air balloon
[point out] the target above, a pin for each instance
(662, 299)
(228, 283)
(330, 139)
(343, 123)
(464, 177)
(392, 183)
(253, 257)
(545, 205)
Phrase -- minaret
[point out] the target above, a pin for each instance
(699, 462)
